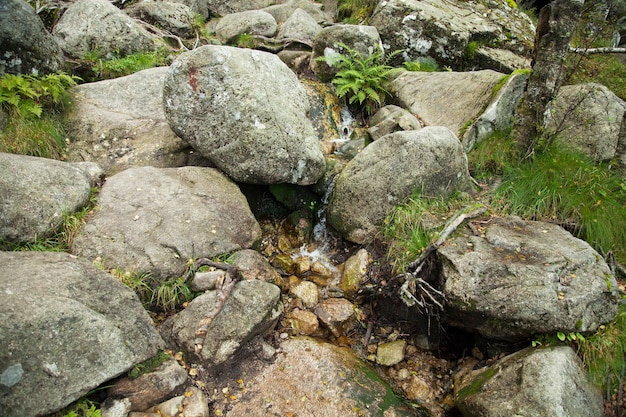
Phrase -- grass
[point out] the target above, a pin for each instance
(412, 226)
(606, 69)
(103, 68)
(493, 156)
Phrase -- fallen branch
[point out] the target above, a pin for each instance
(413, 284)
(224, 288)
(589, 51)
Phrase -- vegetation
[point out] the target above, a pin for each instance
(148, 365)
(425, 64)
(361, 78)
(84, 407)
(32, 107)
(245, 40)
(355, 11)
(105, 67)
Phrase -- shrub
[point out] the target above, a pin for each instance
(361, 78)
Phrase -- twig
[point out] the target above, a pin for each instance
(588, 51)
(224, 288)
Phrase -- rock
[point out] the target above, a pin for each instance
(282, 12)
(525, 278)
(587, 117)
(259, 133)
(387, 172)
(195, 403)
(354, 273)
(176, 18)
(307, 292)
(337, 314)
(362, 39)
(253, 265)
(390, 353)
(391, 119)
(453, 33)
(314, 378)
(301, 26)
(428, 95)
(532, 382)
(224, 7)
(98, 26)
(500, 112)
(66, 328)
(252, 309)
(36, 194)
(251, 22)
(115, 407)
(26, 45)
(152, 387)
(304, 322)
(121, 124)
(205, 280)
(152, 220)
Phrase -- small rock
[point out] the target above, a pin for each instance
(391, 119)
(171, 407)
(195, 403)
(337, 314)
(115, 407)
(391, 353)
(354, 273)
(303, 264)
(306, 292)
(253, 265)
(416, 388)
(205, 280)
(285, 263)
(148, 389)
(304, 322)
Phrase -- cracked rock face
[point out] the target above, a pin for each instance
(152, 220)
(525, 278)
(246, 112)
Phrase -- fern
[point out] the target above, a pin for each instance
(28, 95)
(361, 78)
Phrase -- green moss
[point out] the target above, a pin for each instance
(148, 365)
(476, 385)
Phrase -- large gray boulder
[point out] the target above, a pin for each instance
(224, 7)
(457, 34)
(26, 45)
(251, 22)
(66, 328)
(450, 99)
(246, 112)
(545, 382)
(177, 18)
(284, 10)
(387, 172)
(36, 195)
(500, 112)
(525, 278)
(252, 309)
(587, 117)
(152, 220)
(299, 26)
(362, 39)
(121, 124)
(312, 378)
(98, 26)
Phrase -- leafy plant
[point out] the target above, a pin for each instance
(112, 67)
(28, 95)
(422, 65)
(81, 408)
(361, 77)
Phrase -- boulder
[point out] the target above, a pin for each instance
(246, 112)
(457, 34)
(525, 278)
(252, 309)
(224, 7)
(312, 378)
(587, 117)
(26, 45)
(299, 26)
(251, 22)
(66, 328)
(121, 124)
(98, 26)
(499, 114)
(387, 172)
(152, 221)
(543, 382)
(36, 194)
(177, 18)
(362, 39)
(450, 99)
(391, 119)
(283, 11)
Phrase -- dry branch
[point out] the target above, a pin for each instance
(224, 288)
(589, 51)
(416, 291)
